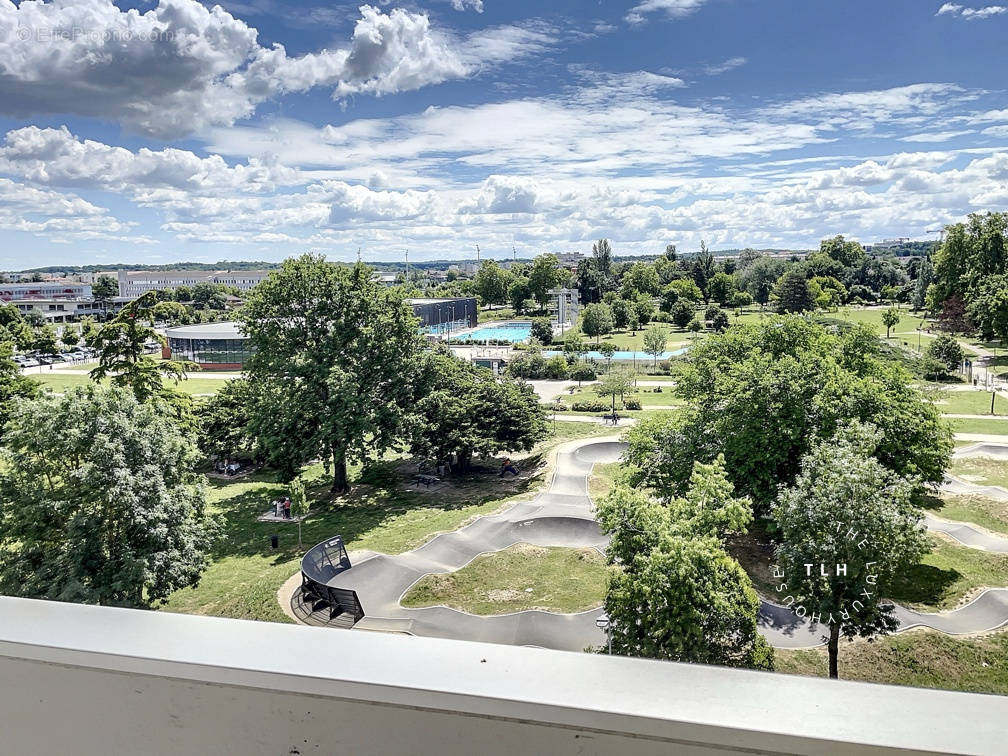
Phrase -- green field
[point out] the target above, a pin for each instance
(948, 574)
(992, 426)
(62, 382)
(969, 403)
(919, 658)
(516, 579)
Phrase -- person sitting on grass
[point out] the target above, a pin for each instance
(508, 467)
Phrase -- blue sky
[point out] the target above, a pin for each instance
(158, 132)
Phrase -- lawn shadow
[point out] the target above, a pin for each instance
(923, 584)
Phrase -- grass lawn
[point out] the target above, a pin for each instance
(920, 658)
(515, 579)
(983, 471)
(980, 510)
(646, 397)
(60, 383)
(969, 403)
(497, 313)
(600, 482)
(629, 341)
(948, 574)
(979, 425)
(382, 513)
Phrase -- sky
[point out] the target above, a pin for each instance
(155, 132)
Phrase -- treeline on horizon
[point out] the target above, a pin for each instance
(903, 249)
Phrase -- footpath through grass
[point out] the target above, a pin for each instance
(518, 578)
(919, 658)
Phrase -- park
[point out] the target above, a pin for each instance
(354, 472)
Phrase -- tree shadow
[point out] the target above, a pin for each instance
(923, 584)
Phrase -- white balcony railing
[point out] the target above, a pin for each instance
(93, 680)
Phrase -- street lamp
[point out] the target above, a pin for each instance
(602, 623)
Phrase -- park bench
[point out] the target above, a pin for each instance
(427, 480)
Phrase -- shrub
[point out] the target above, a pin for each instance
(632, 404)
(542, 331)
(583, 371)
(556, 368)
(589, 405)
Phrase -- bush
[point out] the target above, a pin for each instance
(528, 365)
(632, 404)
(583, 371)
(556, 368)
(542, 331)
(590, 405)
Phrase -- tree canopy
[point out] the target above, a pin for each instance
(100, 500)
(763, 393)
(335, 361)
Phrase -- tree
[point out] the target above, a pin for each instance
(335, 358)
(518, 294)
(89, 333)
(681, 288)
(946, 351)
(463, 410)
(170, 312)
(702, 270)
(545, 274)
(722, 287)
(633, 323)
(695, 325)
(542, 331)
(989, 309)
(720, 321)
(621, 314)
(121, 343)
(615, 383)
(557, 368)
(102, 501)
(682, 312)
(225, 422)
(890, 317)
(924, 279)
(639, 278)
(183, 294)
(644, 308)
(70, 337)
(793, 293)
(208, 296)
(45, 340)
(583, 371)
(13, 384)
(104, 289)
(760, 277)
(847, 529)
(847, 253)
(763, 393)
(491, 283)
(655, 339)
(675, 594)
(596, 320)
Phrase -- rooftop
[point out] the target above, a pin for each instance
(225, 330)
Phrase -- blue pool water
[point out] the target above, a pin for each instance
(626, 356)
(505, 332)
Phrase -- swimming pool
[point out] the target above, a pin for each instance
(513, 331)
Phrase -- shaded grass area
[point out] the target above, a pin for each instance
(979, 510)
(984, 471)
(948, 574)
(518, 578)
(382, 513)
(921, 658)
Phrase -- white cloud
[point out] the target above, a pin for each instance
(180, 67)
(971, 14)
(727, 65)
(461, 5)
(671, 8)
(935, 136)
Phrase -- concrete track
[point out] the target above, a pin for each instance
(563, 516)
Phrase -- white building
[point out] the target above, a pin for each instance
(63, 290)
(134, 283)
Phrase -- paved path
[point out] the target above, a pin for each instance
(563, 516)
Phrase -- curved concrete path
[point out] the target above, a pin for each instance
(563, 516)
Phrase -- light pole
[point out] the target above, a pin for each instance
(602, 622)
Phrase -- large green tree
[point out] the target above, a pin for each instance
(335, 358)
(464, 410)
(491, 283)
(655, 339)
(101, 501)
(794, 294)
(763, 393)
(596, 320)
(13, 384)
(225, 422)
(674, 593)
(847, 530)
(545, 274)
